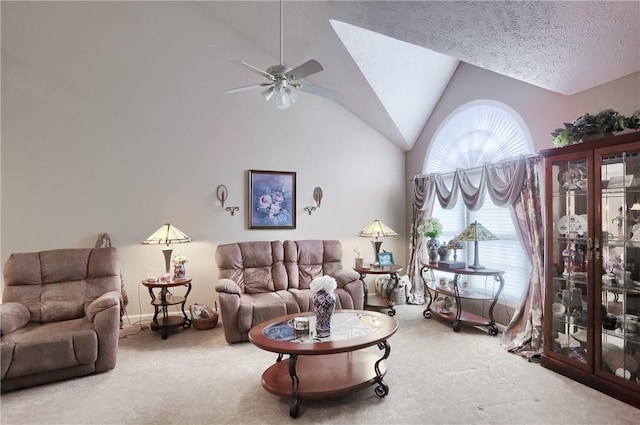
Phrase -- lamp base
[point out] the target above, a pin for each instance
(475, 264)
(376, 248)
(167, 258)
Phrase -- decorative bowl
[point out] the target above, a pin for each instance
(558, 309)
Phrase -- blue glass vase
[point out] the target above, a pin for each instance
(324, 303)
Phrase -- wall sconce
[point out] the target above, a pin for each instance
(317, 196)
(223, 193)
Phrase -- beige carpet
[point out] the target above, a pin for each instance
(435, 376)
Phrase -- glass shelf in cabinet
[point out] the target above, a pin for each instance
(613, 243)
(633, 337)
(563, 240)
(616, 192)
(562, 193)
(609, 335)
(619, 335)
(576, 322)
(570, 281)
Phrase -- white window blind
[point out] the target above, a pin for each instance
(504, 254)
(477, 133)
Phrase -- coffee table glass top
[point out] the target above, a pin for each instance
(344, 326)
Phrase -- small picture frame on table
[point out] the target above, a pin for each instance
(385, 259)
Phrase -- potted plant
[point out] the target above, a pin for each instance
(432, 228)
(590, 126)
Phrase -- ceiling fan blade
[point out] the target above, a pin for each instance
(317, 90)
(252, 86)
(308, 68)
(256, 70)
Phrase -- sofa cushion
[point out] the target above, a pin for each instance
(258, 280)
(62, 301)
(61, 265)
(257, 308)
(13, 316)
(39, 348)
(308, 259)
(257, 267)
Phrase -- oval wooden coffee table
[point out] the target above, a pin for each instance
(325, 367)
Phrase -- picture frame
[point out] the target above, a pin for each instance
(385, 259)
(272, 199)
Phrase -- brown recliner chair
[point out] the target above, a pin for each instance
(60, 315)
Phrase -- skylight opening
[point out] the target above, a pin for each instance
(407, 79)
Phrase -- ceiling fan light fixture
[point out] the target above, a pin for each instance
(282, 98)
(268, 94)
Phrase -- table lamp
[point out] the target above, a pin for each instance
(376, 229)
(167, 234)
(476, 232)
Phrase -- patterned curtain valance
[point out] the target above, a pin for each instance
(502, 181)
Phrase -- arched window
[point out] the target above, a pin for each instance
(477, 133)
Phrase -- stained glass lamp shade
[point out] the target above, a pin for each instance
(376, 229)
(167, 234)
(474, 233)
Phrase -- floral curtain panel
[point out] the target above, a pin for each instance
(509, 184)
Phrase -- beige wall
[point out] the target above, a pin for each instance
(114, 120)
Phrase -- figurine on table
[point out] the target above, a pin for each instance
(621, 218)
(568, 257)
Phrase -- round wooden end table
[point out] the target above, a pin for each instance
(161, 302)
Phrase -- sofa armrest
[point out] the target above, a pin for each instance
(13, 316)
(345, 276)
(103, 302)
(228, 286)
(104, 313)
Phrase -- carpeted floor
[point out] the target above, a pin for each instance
(435, 376)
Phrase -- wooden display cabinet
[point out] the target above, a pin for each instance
(592, 264)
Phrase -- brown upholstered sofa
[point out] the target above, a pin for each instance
(60, 315)
(262, 280)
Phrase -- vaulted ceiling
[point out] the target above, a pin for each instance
(387, 57)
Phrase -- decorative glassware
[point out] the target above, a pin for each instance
(432, 248)
(324, 304)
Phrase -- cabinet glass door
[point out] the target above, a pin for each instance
(568, 287)
(618, 328)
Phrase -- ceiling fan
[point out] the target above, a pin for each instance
(282, 77)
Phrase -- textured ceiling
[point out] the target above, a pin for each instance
(562, 46)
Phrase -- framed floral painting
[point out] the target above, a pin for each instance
(272, 199)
